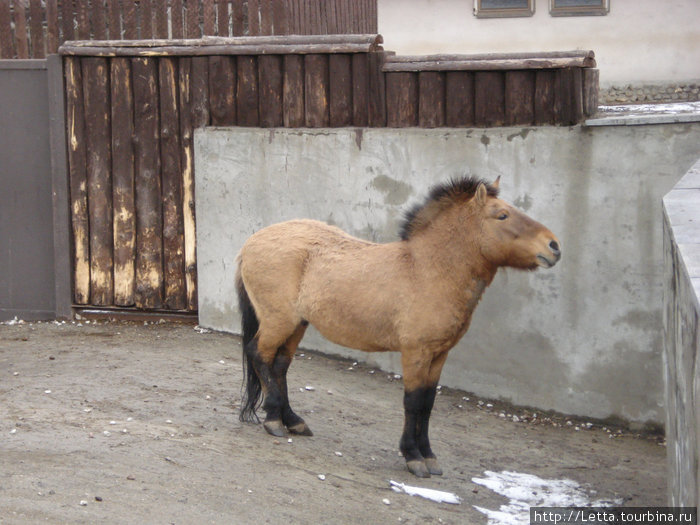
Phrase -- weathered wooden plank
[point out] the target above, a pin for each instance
(341, 90)
(486, 65)
(98, 20)
(208, 49)
(149, 242)
(520, 98)
(591, 78)
(123, 181)
(293, 16)
(247, 91)
(360, 89)
(222, 17)
(177, 27)
(99, 181)
(377, 89)
(293, 91)
(131, 24)
(194, 113)
(82, 8)
(67, 31)
(222, 90)
(21, 31)
(175, 288)
(115, 26)
(335, 43)
(52, 27)
(238, 18)
(208, 16)
(545, 97)
(160, 29)
(77, 168)
(431, 99)
(401, 99)
(459, 99)
(192, 29)
(271, 90)
(7, 47)
(36, 26)
(280, 13)
(586, 57)
(146, 19)
(253, 17)
(489, 98)
(570, 95)
(316, 87)
(266, 17)
(372, 25)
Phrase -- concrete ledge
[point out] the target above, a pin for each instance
(681, 214)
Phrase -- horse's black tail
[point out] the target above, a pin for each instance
(251, 388)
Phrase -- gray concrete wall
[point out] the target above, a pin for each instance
(681, 364)
(583, 338)
(27, 281)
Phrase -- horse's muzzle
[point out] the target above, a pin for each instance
(550, 259)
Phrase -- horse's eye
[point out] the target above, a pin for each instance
(502, 216)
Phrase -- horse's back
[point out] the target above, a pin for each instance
(274, 259)
(295, 238)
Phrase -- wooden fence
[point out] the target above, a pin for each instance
(491, 90)
(131, 111)
(132, 107)
(36, 28)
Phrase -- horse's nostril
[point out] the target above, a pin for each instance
(554, 245)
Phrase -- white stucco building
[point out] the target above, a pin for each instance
(637, 42)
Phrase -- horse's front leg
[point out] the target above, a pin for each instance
(424, 423)
(421, 376)
(413, 401)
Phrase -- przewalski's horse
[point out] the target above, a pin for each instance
(415, 296)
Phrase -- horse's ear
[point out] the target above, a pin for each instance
(481, 193)
(496, 183)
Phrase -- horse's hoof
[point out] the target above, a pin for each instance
(433, 467)
(417, 468)
(301, 429)
(275, 428)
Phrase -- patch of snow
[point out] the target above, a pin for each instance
(527, 490)
(652, 109)
(438, 496)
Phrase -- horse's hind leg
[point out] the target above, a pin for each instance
(283, 359)
(271, 360)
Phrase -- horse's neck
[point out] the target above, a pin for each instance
(452, 262)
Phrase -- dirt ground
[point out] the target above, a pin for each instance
(131, 423)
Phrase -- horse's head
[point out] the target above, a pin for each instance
(511, 238)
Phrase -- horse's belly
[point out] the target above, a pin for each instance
(361, 329)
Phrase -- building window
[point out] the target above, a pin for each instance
(503, 8)
(578, 7)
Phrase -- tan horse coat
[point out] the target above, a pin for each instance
(415, 296)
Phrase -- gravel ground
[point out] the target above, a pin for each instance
(104, 422)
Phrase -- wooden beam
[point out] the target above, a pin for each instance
(122, 119)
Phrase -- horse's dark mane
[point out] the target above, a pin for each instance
(441, 197)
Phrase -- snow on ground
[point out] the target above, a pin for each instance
(526, 490)
(652, 109)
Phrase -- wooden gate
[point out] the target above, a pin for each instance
(131, 110)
